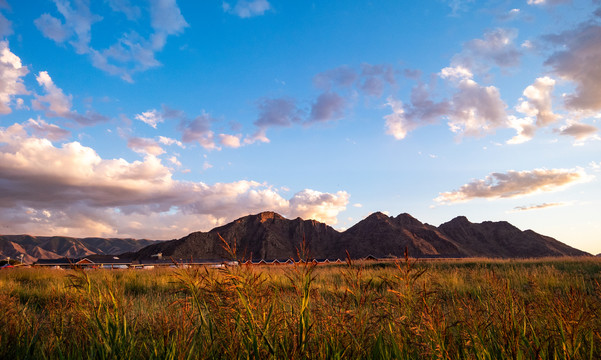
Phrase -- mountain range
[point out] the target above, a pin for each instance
(269, 236)
(55, 247)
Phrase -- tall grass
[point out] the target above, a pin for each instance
(469, 309)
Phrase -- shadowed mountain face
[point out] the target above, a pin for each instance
(501, 239)
(380, 235)
(270, 236)
(263, 236)
(55, 247)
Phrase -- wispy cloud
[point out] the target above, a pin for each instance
(537, 207)
(132, 52)
(247, 8)
(55, 103)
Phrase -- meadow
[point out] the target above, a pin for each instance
(459, 309)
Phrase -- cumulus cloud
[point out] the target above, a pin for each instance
(578, 61)
(525, 129)
(145, 146)
(132, 52)
(232, 141)
(538, 101)
(476, 109)
(71, 190)
(327, 107)
(247, 8)
(151, 117)
(311, 204)
(514, 184)
(55, 103)
(11, 77)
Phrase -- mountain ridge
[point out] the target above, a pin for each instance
(268, 235)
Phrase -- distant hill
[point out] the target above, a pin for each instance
(270, 236)
(55, 247)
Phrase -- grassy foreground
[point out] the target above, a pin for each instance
(473, 309)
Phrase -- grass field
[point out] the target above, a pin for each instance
(472, 309)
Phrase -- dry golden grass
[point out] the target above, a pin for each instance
(464, 309)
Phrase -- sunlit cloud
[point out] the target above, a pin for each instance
(151, 117)
(72, 190)
(12, 73)
(537, 102)
(514, 184)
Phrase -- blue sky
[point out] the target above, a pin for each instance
(153, 119)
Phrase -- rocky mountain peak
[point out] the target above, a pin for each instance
(268, 215)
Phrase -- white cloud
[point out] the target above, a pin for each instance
(514, 184)
(247, 8)
(11, 77)
(59, 104)
(456, 73)
(525, 129)
(150, 117)
(311, 204)
(475, 109)
(169, 141)
(56, 104)
(71, 190)
(538, 101)
(232, 141)
(397, 124)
